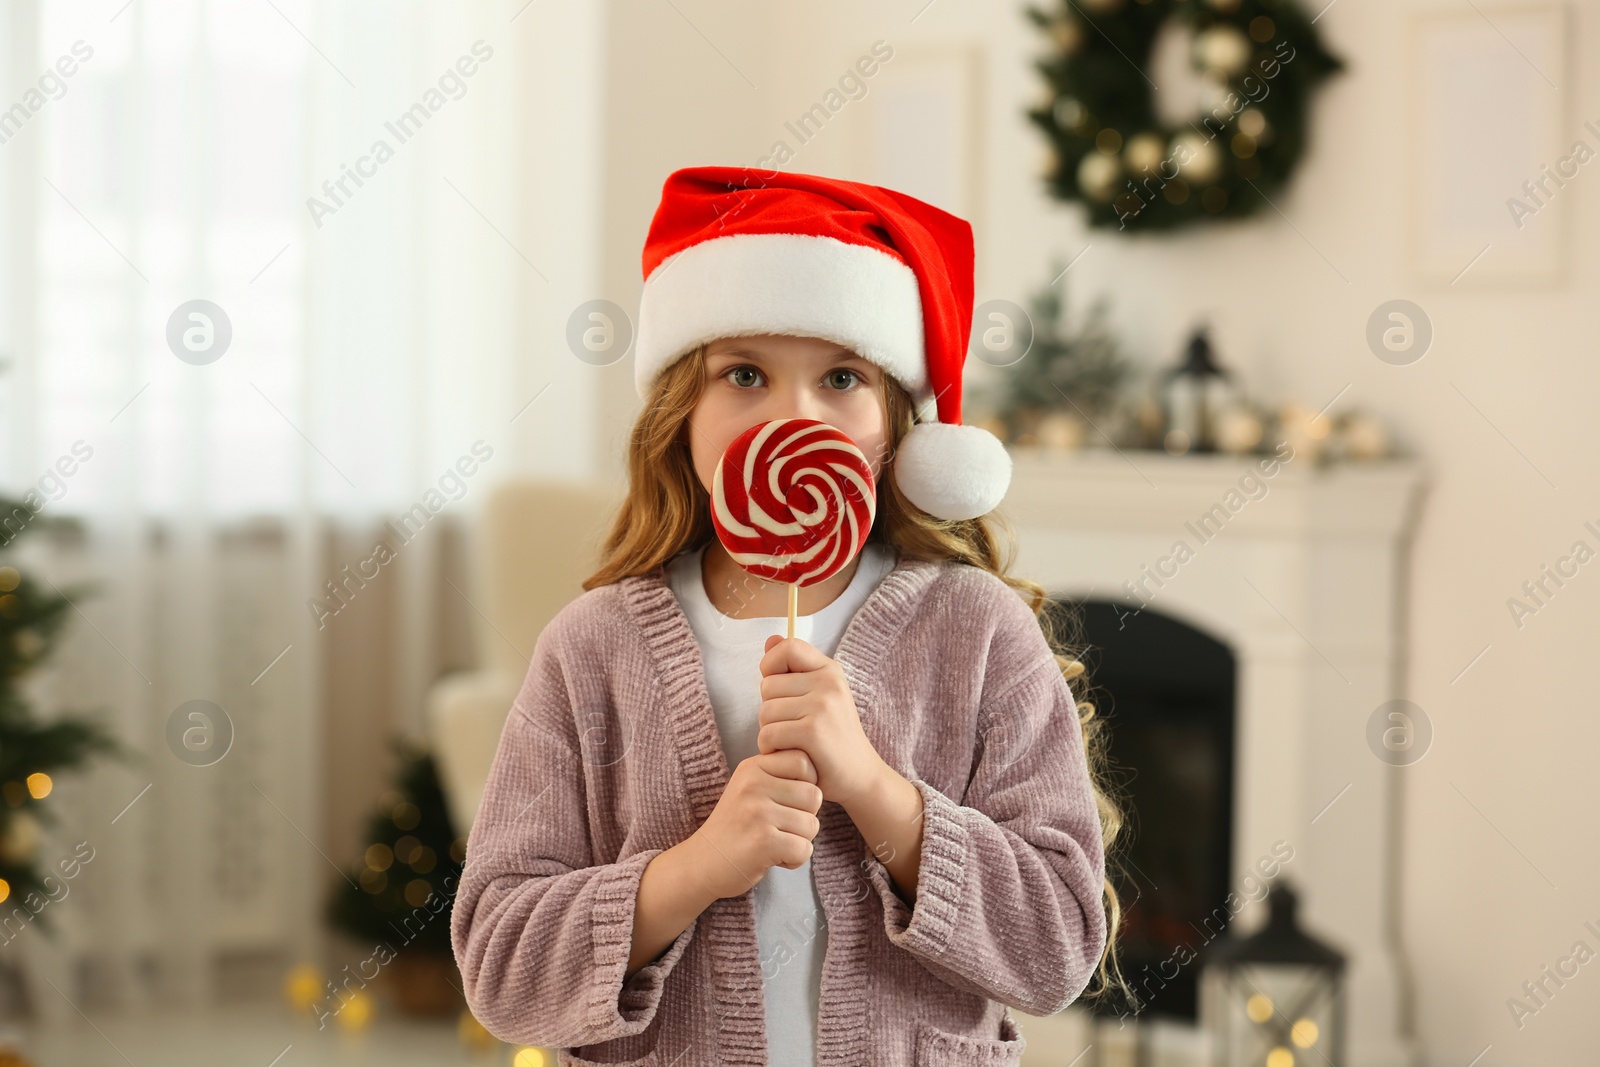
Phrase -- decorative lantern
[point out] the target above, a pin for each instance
(1194, 392)
(1276, 997)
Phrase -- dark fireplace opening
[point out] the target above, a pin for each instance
(1166, 691)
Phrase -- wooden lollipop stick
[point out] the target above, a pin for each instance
(794, 604)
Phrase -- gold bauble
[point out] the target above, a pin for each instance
(1197, 157)
(1222, 49)
(20, 841)
(1305, 431)
(1144, 153)
(302, 986)
(1097, 176)
(1238, 430)
(1061, 431)
(472, 1033)
(357, 1012)
(1069, 113)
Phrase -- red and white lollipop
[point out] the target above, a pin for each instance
(792, 501)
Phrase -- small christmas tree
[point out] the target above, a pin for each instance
(399, 898)
(31, 751)
(1062, 370)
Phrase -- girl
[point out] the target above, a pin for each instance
(702, 842)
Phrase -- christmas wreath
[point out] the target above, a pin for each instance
(1258, 62)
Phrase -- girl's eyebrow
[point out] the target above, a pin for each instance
(844, 355)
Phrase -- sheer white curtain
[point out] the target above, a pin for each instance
(229, 152)
(370, 338)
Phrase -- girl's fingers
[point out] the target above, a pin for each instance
(797, 820)
(797, 795)
(791, 763)
(779, 735)
(792, 654)
(780, 709)
(785, 685)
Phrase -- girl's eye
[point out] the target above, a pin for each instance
(841, 379)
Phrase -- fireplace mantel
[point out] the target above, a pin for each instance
(1302, 572)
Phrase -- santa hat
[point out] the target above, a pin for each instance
(738, 250)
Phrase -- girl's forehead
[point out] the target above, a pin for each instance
(786, 347)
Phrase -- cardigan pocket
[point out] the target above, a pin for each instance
(568, 1058)
(936, 1048)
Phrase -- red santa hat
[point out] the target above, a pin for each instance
(739, 250)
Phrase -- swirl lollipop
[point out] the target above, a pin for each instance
(792, 501)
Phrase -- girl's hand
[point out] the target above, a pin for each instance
(765, 818)
(806, 704)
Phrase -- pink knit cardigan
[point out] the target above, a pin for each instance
(611, 755)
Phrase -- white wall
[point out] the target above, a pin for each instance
(560, 53)
(685, 83)
(1508, 790)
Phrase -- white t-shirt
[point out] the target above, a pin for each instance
(790, 923)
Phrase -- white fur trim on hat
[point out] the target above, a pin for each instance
(952, 472)
(796, 284)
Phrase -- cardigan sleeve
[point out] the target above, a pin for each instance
(1008, 902)
(540, 931)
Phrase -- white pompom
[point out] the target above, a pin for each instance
(952, 472)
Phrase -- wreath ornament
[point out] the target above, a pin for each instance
(1258, 61)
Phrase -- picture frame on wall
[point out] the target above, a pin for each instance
(1490, 138)
(921, 134)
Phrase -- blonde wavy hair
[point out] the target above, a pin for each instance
(667, 510)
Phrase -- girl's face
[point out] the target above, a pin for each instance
(756, 378)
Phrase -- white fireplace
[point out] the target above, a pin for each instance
(1301, 572)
